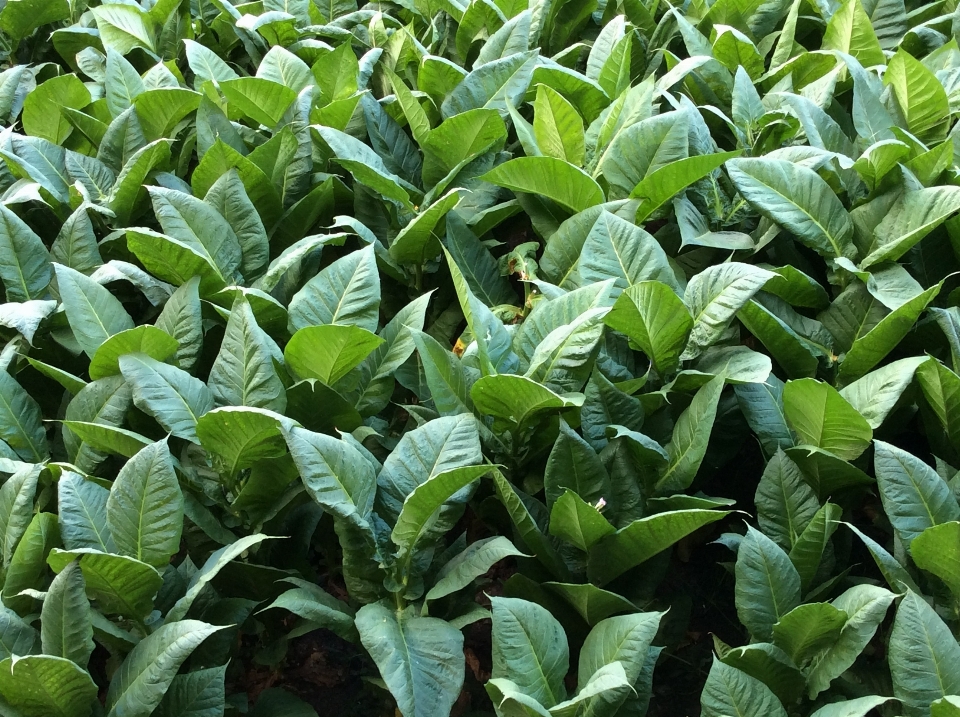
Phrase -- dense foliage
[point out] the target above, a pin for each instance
(620, 338)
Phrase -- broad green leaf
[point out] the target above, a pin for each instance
(47, 686)
(822, 417)
(875, 395)
(335, 473)
(66, 629)
(25, 267)
(94, 313)
(936, 550)
(145, 507)
(865, 607)
(345, 292)
(797, 199)
(785, 503)
(492, 85)
(550, 177)
(213, 565)
(574, 465)
(259, 99)
(920, 96)
(419, 241)
(172, 396)
(728, 691)
(419, 658)
(21, 17)
(146, 339)
(239, 436)
(517, 399)
(642, 539)
(714, 296)
(422, 504)
(199, 693)
(139, 684)
(663, 183)
(120, 585)
(469, 565)
(691, 433)
(851, 31)
(807, 629)
(616, 249)
(28, 570)
(768, 585)
(557, 126)
(912, 216)
(529, 647)
(808, 550)
(914, 496)
(653, 317)
(83, 514)
(20, 421)
(924, 656)
(243, 373)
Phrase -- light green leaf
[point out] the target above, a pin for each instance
(145, 507)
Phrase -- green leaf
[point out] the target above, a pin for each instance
(858, 707)
(20, 421)
(728, 691)
(691, 433)
(557, 126)
(25, 265)
(592, 603)
(422, 504)
(181, 319)
(851, 31)
(172, 396)
(83, 514)
(93, 312)
(199, 227)
(419, 658)
(43, 108)
(768, 585)
(936, 550)
(217, 561)
(642, 539)
(785, 503)
(492, 85)
(714, 296)
(467, 566)
(318, 607)
(529, 531)
(517, 399)
(868, 350)
(243, 374)
(345, 292)
(920, 96)
(576, 521)
(229, 197)
(822, 417)
(419, 241)
(865, 606)
(335, 473)
(145, 507)
(120, 585)
(530, 648)
(875, 395)
(28, 569)
(239, 436)
(808, 550)
(616, 249)
(199, 693)
(912, 216)
(66, 629)
(797, 199)
(807, 629)
(138, 686)
(924, 657)
(149, 340)
(914, 496)
(663, 183)
(47, 686)
(652, 316)
(21, 17)
(259, 99)
(550, 177)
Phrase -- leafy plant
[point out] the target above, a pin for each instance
(594, 327)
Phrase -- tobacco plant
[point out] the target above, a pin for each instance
(398, 322)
